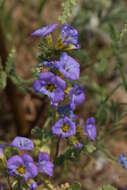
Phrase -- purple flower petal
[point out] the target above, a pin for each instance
(26, 158)
(32, 170)
(123, 160)
(90, 128)
(44, 156)
(44, 164)
(22, 143)
(32, 184)
(77, 96)
(46, 167)
(46, 30)
(69, 67)
(78, 146)
(13, 163)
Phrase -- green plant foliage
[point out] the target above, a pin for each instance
(18, 83)
(3, 77)
(71, 154)
(3, 80)
(41, 6)
(67, 8)
(107, 187)
(10, 66)
(90, 148)
(75, 186)
(2, 3)
(42, 134)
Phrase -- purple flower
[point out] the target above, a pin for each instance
(22, 143)
(77, 96)
(78, 146)
(70, 36)
(64, 127)
(50, 85)
(75, 142)
(123, 160)
(32, 184)
(90, 128)
(46, 30)
(44, 164)
(66, 110)
(69, 67)
(23, 166)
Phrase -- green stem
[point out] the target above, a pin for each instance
(9, 183)
(57, 148)
(112, 92)
(122, 76)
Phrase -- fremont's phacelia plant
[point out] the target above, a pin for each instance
(56, 76)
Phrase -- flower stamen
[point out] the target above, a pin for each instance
(21, 170)
(65, 128)
(50, 87)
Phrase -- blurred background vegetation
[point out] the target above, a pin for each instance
(102, 27)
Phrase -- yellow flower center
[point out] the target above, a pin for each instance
(65, 128)
(21, 170)
(50, 87)
(42, 69)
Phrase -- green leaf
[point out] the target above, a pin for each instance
(2, 3)
(36, 133)
(41, 6)
(90, 148)
(10, 63)
(75, 186)
(3, 80)
(107, 187)
(42, 134)
(18, 83)
(1, 66)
